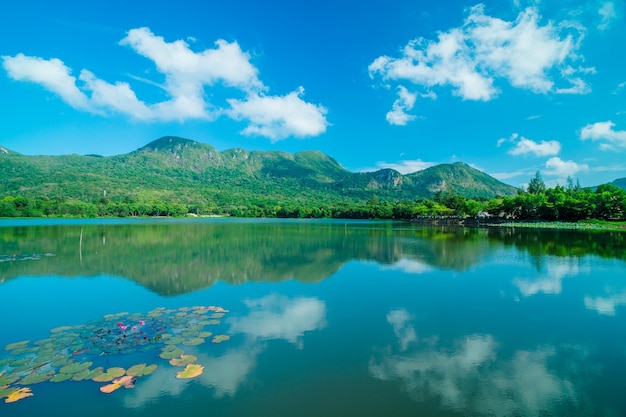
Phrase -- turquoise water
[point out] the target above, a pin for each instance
(331, 318)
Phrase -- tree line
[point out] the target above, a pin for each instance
(537, 202)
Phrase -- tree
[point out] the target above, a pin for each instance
(536, 185)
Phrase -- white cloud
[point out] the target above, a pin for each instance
(472, 57)
(563, 169)
(405, 102)
(187, 75)
(608, 15)
(52, 74)
(604, 131)
(277, 117)
(406, 166)
(118, 97)
(187, 71)
(526, 146)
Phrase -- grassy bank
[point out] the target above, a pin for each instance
(580, 225)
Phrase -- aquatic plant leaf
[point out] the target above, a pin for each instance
(60, 361)
(191, 371)
(36, 378)
(127, 381)
(220, 338)
(44, 341)
(212, 322)
(149, 369)
(109, 375)
(175, 340)
(216, 315)
(75, 367)
(19, 394)
(17, 345)
(107, 389)
(195, 341)
(6, 390)
(61, 329)
(8, 379)
(60, 377)
(205, 334)
(183, 360)
(136, 370)
(171, 354)
(86, 374)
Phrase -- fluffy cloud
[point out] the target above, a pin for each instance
(525, 146)
(470, 58)
(405, 102)
(557, 167)
(277, 117)
(52, 74)
(187, 75)
(604, 131)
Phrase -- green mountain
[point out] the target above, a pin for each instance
(182, 170)
(620, 182)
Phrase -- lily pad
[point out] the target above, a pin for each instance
(60, 377)
(220, 338)
(88, 374)
(36, 378)
(171, 354)
(109, 375)
(205, 334)
(5, 390)
(216, 315)
(8, 379)
(126, 381)
(17, 345)
(141, 370)
(75, 367)
(18, 394)
(175, 340)
(195, 341)
(183, 360)
(190, 371)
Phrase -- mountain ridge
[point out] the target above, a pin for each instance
(182, 169)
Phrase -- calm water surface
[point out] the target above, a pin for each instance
(325, 318)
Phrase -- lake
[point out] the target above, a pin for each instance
(309, 318)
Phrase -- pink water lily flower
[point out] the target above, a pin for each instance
(141, 322)
(124, 327)
(120, 324)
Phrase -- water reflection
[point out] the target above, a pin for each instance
(473, 375)
(273, 317)
(181, 257)
(606, 305)
(550, 275)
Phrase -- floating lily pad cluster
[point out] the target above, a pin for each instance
(84, 352)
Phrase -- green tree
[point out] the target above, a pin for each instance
(536, 185)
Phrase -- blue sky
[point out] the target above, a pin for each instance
(509, 87)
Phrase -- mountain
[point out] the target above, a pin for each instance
(620, 182)
(182, 170)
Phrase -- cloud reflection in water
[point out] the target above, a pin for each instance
(272, 317)
(475, 376)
